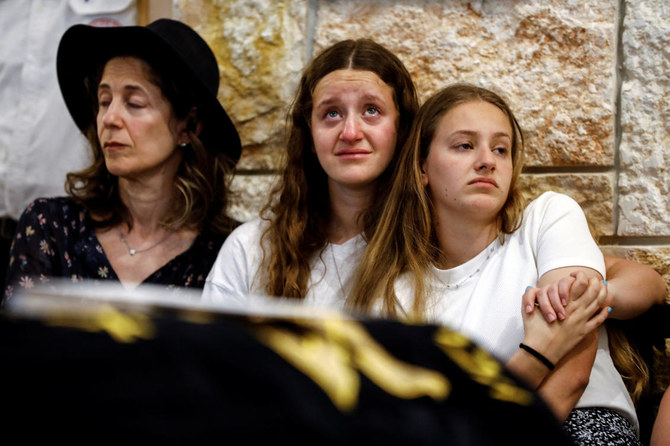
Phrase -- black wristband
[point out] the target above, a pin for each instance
(539, 356)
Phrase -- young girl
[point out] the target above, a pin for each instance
(354, 104)
(456, 245)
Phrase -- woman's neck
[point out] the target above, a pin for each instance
(147, 203)
(462, 240)
(346, 208)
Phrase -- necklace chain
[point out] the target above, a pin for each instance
(474, 273)
(337, 271)
(132, 251)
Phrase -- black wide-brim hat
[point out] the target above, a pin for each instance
(171, 47)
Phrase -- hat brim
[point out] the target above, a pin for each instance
(84, 48)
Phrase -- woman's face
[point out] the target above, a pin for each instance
(468, 170)
(137, 129)
(354, 127)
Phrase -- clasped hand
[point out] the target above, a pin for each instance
(570, 309)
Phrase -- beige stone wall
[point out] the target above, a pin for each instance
(589, 80)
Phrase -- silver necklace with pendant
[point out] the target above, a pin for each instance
(132, 251)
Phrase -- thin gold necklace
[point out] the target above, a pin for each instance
(132, 251)
(337, 272)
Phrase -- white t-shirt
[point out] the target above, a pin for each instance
(235, 277)
(482, 297)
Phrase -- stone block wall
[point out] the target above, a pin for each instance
(588, 80)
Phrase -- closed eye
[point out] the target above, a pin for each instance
(104, 100)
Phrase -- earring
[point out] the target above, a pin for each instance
(183, 145)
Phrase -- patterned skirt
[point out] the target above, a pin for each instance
(599, 426)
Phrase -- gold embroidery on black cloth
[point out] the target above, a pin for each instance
(481, 367)
(332, 352)
(122, 327)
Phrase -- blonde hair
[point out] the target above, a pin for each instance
(405, 240)
(628, 361)
(299, 208)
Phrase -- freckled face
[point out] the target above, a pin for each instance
(354, 127)
(468, 170)
(136, 126)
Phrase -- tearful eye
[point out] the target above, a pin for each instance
(372, 111)
(332, 114)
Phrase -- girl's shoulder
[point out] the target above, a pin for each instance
(551, 201)
(248, 233)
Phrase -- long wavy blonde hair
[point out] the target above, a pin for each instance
(300, 207)
(405, 240)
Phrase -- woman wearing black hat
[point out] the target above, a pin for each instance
(151, 206)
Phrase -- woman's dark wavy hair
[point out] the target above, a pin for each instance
(300, 209)
(202, 180)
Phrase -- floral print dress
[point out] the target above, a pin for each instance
(55, 238)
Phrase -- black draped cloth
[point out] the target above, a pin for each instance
(195, 376)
